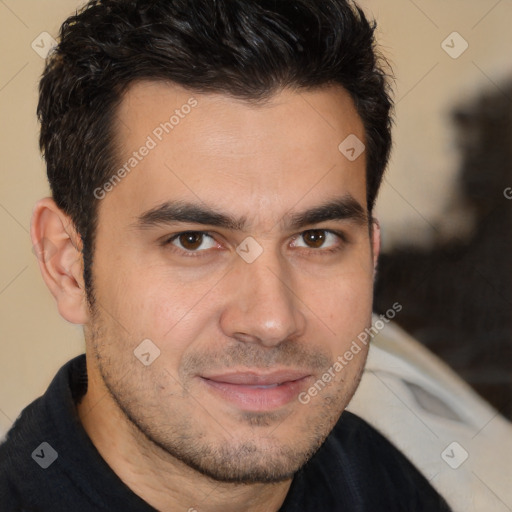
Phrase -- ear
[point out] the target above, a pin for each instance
(375, 235)
(58, 248)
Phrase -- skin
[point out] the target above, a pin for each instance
(180, 443)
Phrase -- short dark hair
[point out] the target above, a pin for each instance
(248, 49)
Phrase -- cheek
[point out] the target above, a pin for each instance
(344, 301)
(153, 302)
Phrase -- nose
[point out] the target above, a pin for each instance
(262, 306)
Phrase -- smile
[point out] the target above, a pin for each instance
(257, 392)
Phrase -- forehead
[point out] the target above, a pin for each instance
(175, 143)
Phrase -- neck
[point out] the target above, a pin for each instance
(161, 480)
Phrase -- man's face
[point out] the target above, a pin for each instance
(240, 333)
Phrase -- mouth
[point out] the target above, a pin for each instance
(258, 392)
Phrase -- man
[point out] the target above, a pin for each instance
(213, 166)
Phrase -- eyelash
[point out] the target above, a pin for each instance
(204, 253)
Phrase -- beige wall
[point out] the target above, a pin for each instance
(35, 341)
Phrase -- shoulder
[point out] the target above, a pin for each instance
(351, 431)
(354, 439)
(27, 453)
(15, 457)
(379, 474)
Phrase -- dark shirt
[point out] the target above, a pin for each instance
(355, 470)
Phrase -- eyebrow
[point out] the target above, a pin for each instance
(343, 208)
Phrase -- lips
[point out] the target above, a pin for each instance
(257, 392)
(255, 379)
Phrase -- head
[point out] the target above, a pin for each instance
(204, 214)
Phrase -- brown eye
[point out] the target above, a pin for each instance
(315, 238)
(193, 241)
(321, 241)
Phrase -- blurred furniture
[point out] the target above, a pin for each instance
(456, 439)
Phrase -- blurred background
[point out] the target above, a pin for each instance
(445, 206)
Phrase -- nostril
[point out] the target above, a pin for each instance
(246, 338)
